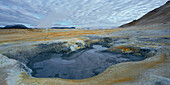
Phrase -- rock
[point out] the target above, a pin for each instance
(72, 47)
(147, 52)
(144, 51)
(66, 49)
(79, 44)
(10, 71)
(107, 39)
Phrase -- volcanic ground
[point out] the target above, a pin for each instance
(136, 54)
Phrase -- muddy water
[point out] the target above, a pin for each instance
(79, 65)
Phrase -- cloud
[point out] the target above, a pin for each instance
(80, 13)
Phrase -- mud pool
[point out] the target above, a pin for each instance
(82, 64)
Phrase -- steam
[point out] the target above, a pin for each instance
(47, 22)
(51, 18)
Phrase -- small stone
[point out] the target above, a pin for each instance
(107, 39)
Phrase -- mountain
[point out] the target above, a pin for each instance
(62, 28)
(155, 18)
(16, 26)
(20, 26)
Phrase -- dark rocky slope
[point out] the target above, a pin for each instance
(157, 17)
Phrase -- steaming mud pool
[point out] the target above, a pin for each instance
(81, 64)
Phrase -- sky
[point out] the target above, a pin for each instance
(74, 13)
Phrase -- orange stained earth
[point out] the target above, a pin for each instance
(12, 35)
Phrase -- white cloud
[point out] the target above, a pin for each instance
(81, 13)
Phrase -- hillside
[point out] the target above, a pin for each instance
(156, 18)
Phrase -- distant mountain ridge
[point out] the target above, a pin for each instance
(157, 17)
(20, 26)
(16, 26)
(63, 28)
